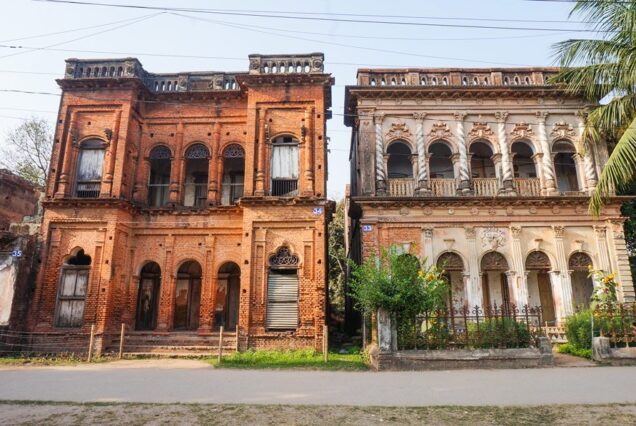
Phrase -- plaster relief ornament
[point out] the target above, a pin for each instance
(492, 238)
(440, 130)
(480, 130)
(562, 129)
(399, 130)
(522, 131)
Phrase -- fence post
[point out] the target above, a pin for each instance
(325, 342)
(90, 344)
(121, 340)
(220, 344)
(237, 338)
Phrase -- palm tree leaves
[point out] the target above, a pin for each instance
(595, 68)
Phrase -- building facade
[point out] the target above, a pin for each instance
(180, 203)
(19, 199)
(483, 171)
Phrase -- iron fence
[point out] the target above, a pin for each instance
(495, 326)
(616, 321)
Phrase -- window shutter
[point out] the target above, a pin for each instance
(282, 301)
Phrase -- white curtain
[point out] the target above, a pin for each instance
(91, 162)
(285, 162)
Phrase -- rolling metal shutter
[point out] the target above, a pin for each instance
(282, 301)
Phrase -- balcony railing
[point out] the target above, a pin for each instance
(401, 187)
(231, 193)
(485, 186)
(87, 189)
(158, 194)
(443, 187)
(284, 187)
(528, 186)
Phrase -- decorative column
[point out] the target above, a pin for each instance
(111, 157)
(423, 186)
(519, 286)
(213, 165)
(380, 174)
(474, 292)
(69, 153)
(561, 283)
(588, 158)
(427, 244)
(176, 166)
(464, 174)
(506, 162)
(600, 235)
(548, 168)
(308, 133)
(259, 190)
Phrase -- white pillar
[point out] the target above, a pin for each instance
(565, 307)
(506, 162)
(422, 172)
(548, 167)
(380, 174)
(557, 294)
(464, 175)
(600, 236)
(473, 286)
(520, 288)
(427, 244)
(588, 158)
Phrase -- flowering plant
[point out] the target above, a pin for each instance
(605, 290)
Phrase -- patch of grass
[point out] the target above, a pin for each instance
(568, 348)
(39, 360)
(304, 359)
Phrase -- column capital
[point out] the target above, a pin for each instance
(459, 116)
(501, 116)
(378, 117)
(542, 116)
(419, 115)
(559, 231)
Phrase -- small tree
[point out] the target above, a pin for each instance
(28, 151)
(337, 258)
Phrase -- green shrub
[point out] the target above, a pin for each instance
(578, 329)
(568, 348)
(499, 333)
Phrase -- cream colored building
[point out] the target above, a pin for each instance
(483, 170)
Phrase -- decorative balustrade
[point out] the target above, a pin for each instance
(528, 187)
(312, 63)
(485, 186)
(284, 187)
(401, 187)
(446, 77)
(443, 187)
(88, 189)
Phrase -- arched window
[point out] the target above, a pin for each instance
(233, 174)
(284, 166)
(282, 290)
(539, 286)
(148, 297)
(90, 168)
(228, 296)
(196, 176)
(522, 162)
(453, 267)
(441, 169)
(159, 180)
(71, 294)
(187, 303)
(565, 166)
(399, 162)
(582, 284)
(494, 281)
(481, 164)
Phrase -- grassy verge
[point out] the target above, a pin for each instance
(52, 413)
(305, 359)
(568, 348)
(64, 359)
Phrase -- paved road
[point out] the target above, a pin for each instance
(194, 382)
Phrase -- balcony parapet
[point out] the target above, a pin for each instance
(456, 77)
(313, 63)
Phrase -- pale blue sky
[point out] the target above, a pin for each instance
(227, 45)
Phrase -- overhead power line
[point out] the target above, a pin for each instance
(304, 17)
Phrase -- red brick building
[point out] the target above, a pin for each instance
(18, 198)
(178, 203)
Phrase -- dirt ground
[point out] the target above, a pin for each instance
(29, 413)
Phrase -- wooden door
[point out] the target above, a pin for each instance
(545, 296)
(147, 303)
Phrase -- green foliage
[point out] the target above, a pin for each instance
(578, 329)
(499, 333)
(398, 283)
(568, 348)
(27, 151)
(302, 358)
(595, 68)
(337, 258)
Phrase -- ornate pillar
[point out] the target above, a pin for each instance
(548, 167)
(506, 162)
(259, 190)
(423, 186)
(473, 289)
(111, 157)
(464, 174)
(176, 167)
(600, 235)
(563, 288)
(520, 284)
(380, 170)
(309, 152)
(588, 158)
(580, 171)
(69, 153)
(215, 158)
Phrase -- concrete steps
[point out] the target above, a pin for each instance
(173, 344)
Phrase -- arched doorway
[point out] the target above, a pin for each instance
(187, 297)
(148, 297)
(441, 169)
(282, 290)
(482, 168)
(582, 284)
(565, 166)
(399, 163)
(228, 289)
(453, 267)
(71, 296)
(494, 281)
(539, 285)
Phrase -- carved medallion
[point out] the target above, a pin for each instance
(480, 130)
(440, 130)
(493, 238)
(399, 130)
(562, 129)
(522, 131)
